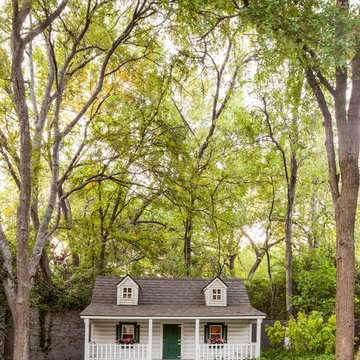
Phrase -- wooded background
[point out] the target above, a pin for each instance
(180, 139)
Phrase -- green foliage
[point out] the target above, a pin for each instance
(315, 278)
(283, 354)
(143, 136)
(307, 333)
(259, 291)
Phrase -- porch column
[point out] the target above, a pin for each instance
(150, 339)
(258, 337)
(197, 343)
(86, 342)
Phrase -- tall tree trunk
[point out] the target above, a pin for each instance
(24, 274)
(345, 210)
(22, 308)
(187, 244)
(291, 187)
(313, 236)
(288, 233)
(273, 287)
(344, 197)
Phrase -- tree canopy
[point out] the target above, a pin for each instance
(180, 139)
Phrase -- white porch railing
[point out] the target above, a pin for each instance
(98, 351)
(228, 351)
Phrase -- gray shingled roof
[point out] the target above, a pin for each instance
(168, 297)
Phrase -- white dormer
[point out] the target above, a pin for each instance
(215, 293)
(127, 291)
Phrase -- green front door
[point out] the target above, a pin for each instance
(171, 341)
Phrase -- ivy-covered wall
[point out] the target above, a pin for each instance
(53, 336)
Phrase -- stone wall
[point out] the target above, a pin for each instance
(63, 335)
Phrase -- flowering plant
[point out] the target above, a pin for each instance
(126, 341)
(216, 340)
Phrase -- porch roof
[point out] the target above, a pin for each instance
(170, 311)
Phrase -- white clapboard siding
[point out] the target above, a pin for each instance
(238, 332)
(156, 345)
(104, 331)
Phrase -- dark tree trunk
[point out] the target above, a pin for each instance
(345, 210)
(259, 257)
(187, 244)
(288, 233)
(273, 287)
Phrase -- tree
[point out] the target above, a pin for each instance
(330, 58)
(69, 52)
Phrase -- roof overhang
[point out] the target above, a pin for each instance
(94, 317)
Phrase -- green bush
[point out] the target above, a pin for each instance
(282, 354)
(315, 282)
(305, 334)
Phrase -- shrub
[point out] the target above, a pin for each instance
(315, 282)
(306, 334)
(283, 354)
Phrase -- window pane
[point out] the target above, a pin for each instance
(216, 294)
(127, 293)
(128, 331)
(215, 331)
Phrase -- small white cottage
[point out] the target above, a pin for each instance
(162, 318)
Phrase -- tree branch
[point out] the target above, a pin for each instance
(44, 24)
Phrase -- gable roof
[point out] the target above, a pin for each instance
(130, 278)
(168, 297)
(216, 279)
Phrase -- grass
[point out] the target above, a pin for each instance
(281, 354)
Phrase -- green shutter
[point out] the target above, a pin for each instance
(137, 333)
(224, 331)
(206, 332)
(118, 331)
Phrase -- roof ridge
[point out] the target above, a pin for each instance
(164, 278)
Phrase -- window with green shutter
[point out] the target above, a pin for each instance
(128, 331)
(215, 330)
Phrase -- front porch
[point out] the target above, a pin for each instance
(189, 345)
(141, 351)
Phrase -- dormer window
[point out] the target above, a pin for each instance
(216, 294)
(127, 293)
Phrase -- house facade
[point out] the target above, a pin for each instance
(162, 318)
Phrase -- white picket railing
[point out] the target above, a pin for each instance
(228, 351)
(98, 351)
(103, 351)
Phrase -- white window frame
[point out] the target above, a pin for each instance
(126, 294)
